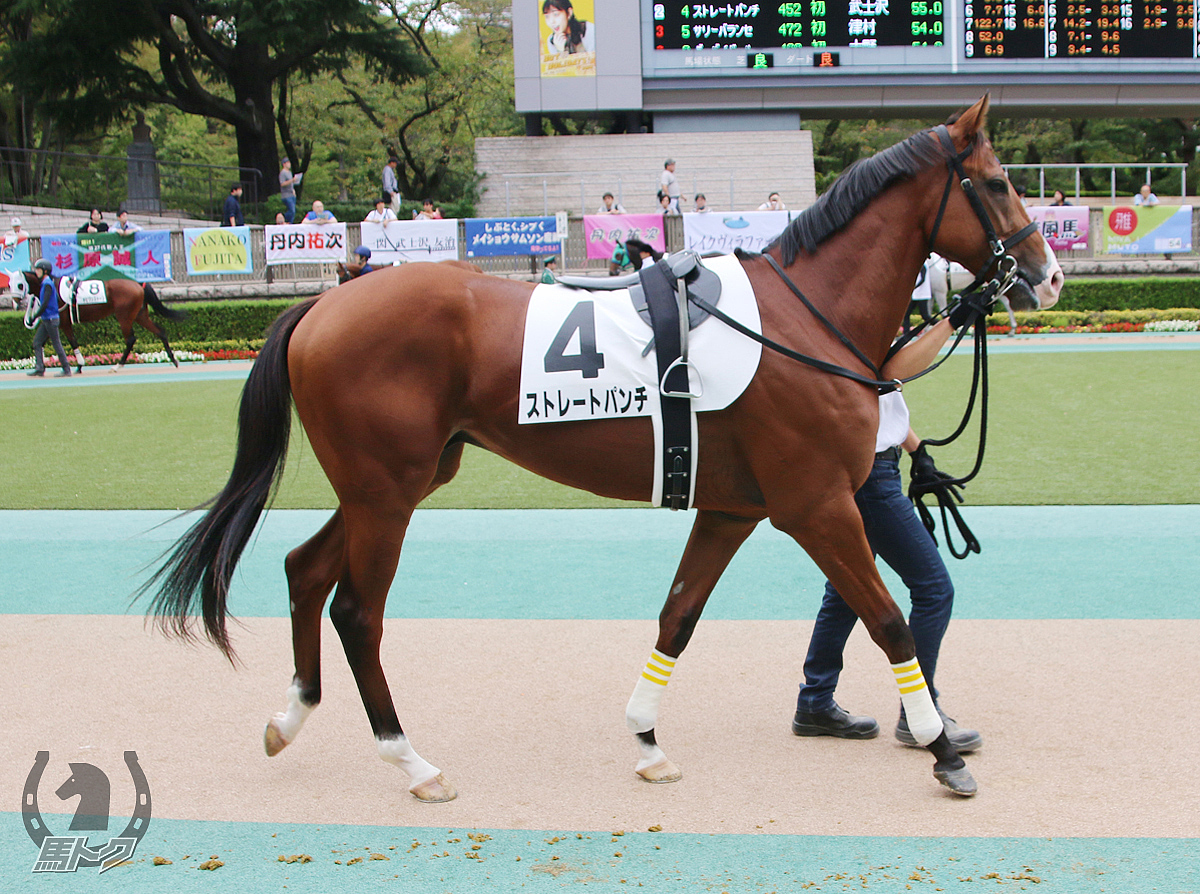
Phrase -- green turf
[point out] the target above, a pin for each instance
(1067, 428)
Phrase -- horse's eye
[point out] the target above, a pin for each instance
(998, 185)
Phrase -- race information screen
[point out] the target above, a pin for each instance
(1048, 29)
(807, 23)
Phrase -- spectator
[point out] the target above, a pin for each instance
(124, 225)
(610, 205)
(231, 215)
(287, 189)
(382, 213)
(701, 204)
(773, 203)
(1145, 196)
(639, 252)
(95, 223)
(319, 215)
(47, 327)
(428, 212)
(391, 185)
(567, 34)
(280, 220)
(1059, 198)
(669, 185)
(549, 271)
(1022, 189)
(664, 204)
(347, 272)
(16, 235)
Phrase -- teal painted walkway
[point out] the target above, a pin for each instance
(434, 860)
(610, 564)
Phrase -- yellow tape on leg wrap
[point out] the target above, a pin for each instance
(642, 711)
(923, 720)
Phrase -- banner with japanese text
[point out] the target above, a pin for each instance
(747, 230)
(500, 236)
(1062, 226)
(14, 257)
(411, 240)
(144, 256)
(1146, 229)
(602, 232)
(218, 250)
(305, 243)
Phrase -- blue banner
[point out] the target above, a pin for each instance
(497, 236)
(1146, 229)
(144, 256)
(14, 257)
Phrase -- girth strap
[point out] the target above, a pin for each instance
(670, 327)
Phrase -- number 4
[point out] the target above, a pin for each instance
(588, 361)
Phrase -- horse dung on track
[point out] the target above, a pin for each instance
(391, 374)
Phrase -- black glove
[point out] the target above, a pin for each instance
(926, 478)
(967, 308)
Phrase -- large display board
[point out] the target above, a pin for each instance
(751, 40)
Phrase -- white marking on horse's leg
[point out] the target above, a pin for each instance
(428, 783)
(924, 722)
(283, 728)
(641, 716)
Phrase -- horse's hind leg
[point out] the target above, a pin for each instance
(374, 535)
(714, 540)
(312, 570)
(834, 537)
(68, 330)
(144, 319)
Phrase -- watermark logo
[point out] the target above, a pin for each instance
(67, 853)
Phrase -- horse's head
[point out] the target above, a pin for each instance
(958, 226)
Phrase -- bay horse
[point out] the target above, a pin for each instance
(393, 373)
(128, 300)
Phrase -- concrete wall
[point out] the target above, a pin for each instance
(735, 170)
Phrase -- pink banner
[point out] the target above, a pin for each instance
(1063, 226)
(604, 231)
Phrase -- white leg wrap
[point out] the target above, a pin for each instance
(289, 722)
(642, 711)
(397, 751)
(651, 755)
(923, 720)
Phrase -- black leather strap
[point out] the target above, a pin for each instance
(658, 285)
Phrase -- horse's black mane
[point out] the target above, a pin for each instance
(853, 190)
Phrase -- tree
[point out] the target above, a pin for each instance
(222, 59)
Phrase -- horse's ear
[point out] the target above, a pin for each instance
(973, 120)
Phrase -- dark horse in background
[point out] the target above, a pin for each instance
(393, 373)
(128, 300)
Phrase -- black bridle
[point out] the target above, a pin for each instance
(993, 280)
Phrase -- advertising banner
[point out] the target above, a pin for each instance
(567, 29)
(305, 243)
(747, 230)
(14, 257)
(1146, 229)
(603, 231)
(218, 250)
(411, 240)
(1062, 226)
(144, 256)
(495, 237)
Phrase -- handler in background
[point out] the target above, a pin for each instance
(47, 328)
(897, 535)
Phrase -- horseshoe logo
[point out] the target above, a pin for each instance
(39, 831)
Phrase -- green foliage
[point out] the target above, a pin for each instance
(1106, 293)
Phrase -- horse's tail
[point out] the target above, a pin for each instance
(159, 308)
(198, 569)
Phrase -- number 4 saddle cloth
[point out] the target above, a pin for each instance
(585, 355)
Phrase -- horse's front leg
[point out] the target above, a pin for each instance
(833, 535)
(68, 330)
(714, 540)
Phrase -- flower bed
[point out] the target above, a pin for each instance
(111, 359)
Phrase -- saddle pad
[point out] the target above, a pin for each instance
(89, 291)
(582, 353)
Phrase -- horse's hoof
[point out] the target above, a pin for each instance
(663, 771)
(437, 790)
(273, 739)
(959, 781)
(116, 369)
